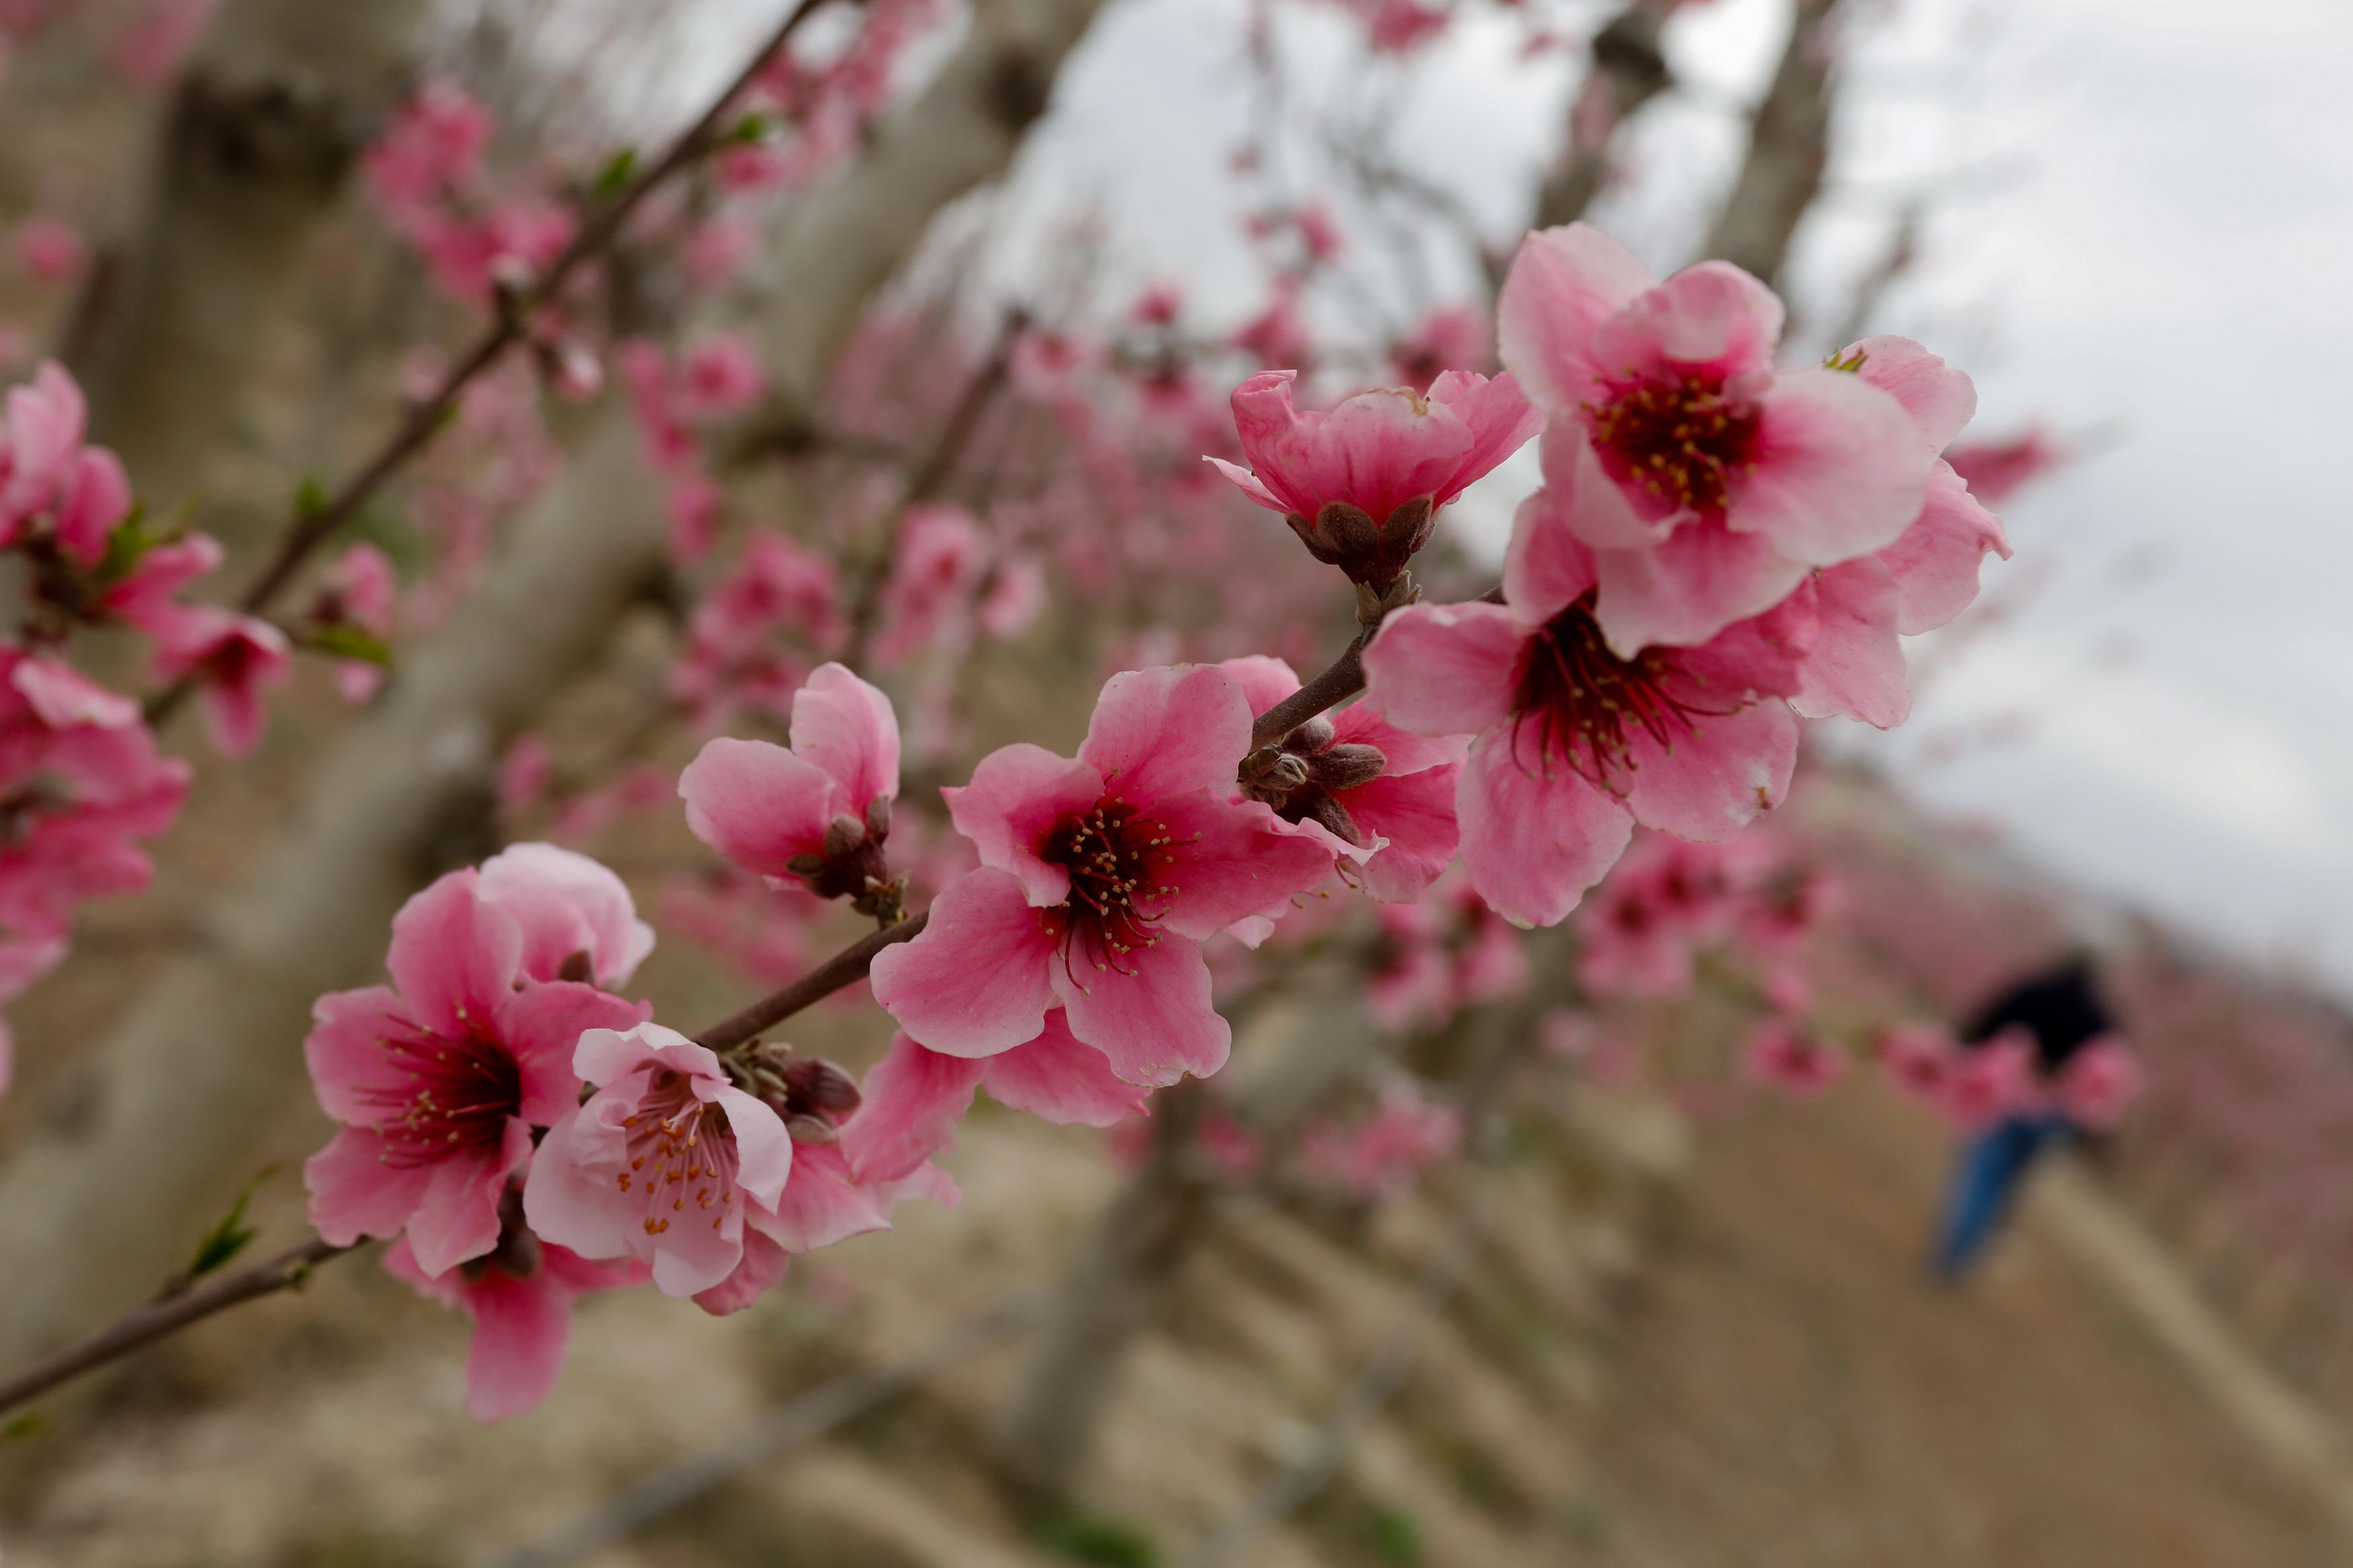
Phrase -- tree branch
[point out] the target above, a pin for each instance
(311, 527)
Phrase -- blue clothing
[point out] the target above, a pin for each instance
(1985, 1186)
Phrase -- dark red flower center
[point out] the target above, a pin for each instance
(453, 1096)
(1581, 706)
(1682, 439)
(1121, 865)
(681, 1151)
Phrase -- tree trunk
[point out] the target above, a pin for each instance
(1789, 146)
(108, 1189)
(1626, 72)
(250, 158)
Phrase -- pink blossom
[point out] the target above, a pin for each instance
(915, 1097)
(520, 1296)
(46, 472)
(234, 660)
(1849, 616)
(1452, 337)
(1276, 336)
(1382, 1155)
(50, 250)
(1100, 878)
(1400, 26)
(935, 567)
(666, 1129)
(1790, 1057)
(577, 918)
(717, 249)
(1996, 469)
(718, 376)
(433, 147)
(1361, 483)
(2099, 1084)
(1994, 1080)
(817, 813)
(147, 597)
(361, 592)
(1707, 483)
(525, 773)
(1577, 743)
(1014, 599)
(1920, 1060)
(692, 507)
(439, 1078)
(1365, 784)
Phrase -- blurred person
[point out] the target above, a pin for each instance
(2019, 1046)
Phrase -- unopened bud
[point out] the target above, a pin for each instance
(842, 835)
(1346, 767)
(878, 818)
(818, 1087)
(1310, 737)
(1335, 816)
(806, 865)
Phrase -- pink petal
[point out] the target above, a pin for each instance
(1711, 318)
(1713, 783)
(521, 1330)
(1061, 1079)
(569, 1197)
(566, 903)
(1855, 666)
(1564, 283)
(1548, 565)
(1936, 560)
(1017, 796)
(61, 697)
(760, 1270)
(457, 1214)
(1534, 841)
(1154, 1021)
(1415, 812)
(974, 982)
(1364, 725)
(1498, 414)
(847, 728)
(344, 1050)
(1445, 669)
(356, 1191)
(453, 957)
(913, 1099)
(1839, 469)
(764, 1150)
(542, 1026)
(1167, 731)
(1689, 588)
(1264, 680)
(1940, 399)
(1250, 484)
(99, 497)
(823, 1204)
(1237, 861)
(757, 803)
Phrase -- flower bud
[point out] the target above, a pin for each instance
(819, 1087)
(1310, 737)
(878, 818)
(810, 866)
(1346, 767)
(842, 835)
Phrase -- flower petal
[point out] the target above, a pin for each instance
(1060, 1078)
(974, 982)
(757, 803)
(1017, 796)
(1445, 669)
(1534, 841)
(848, 727)
(1167, 731)
(913, 1099)
(1714, 783)
(1155, 1021)
(453, 957)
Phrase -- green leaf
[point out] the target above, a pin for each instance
(1095, 1539)
(753, 127)
(132, 538)
(618, 170)
(309, 498)
(231, 1236)
(23, 1425)
(341, 640)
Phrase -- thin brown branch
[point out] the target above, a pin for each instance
(157, 1320)
(844, 969)
(312, 526)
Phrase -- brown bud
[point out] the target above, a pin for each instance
(1310, 737)
(878, 818)
(819, 1087)
(806, 865)
(1346, 767)
(842, 835)
(1404, 532)
(1349, 533)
